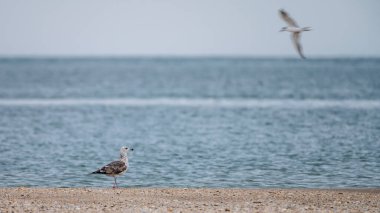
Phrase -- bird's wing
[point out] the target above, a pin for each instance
(297, 43)
(114, 167)
(288, 19)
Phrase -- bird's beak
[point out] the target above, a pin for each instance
(281, 30)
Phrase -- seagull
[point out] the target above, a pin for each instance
(116, 168)
(295, 29)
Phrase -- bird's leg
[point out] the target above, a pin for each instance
(115, 186)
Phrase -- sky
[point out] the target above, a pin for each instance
(187, 28)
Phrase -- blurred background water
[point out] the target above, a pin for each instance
(182, 144)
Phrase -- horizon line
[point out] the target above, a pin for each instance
(253, 56)
(63, 57)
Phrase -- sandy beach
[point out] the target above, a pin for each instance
(188, 200)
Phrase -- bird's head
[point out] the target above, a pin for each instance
(125, 149)
(283, 29)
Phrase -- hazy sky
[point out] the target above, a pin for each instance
(187, 27)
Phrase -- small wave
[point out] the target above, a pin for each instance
(188, 102)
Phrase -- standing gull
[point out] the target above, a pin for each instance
(116, 168)
(295, 29)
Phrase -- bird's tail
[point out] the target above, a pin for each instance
(96, 172)
(306, 29)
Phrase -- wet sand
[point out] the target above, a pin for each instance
(188, 200)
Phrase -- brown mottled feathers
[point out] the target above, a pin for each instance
(113, 168)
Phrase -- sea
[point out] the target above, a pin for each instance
(215, 122)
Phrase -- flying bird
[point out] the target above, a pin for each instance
(116, 168)
(295, 30)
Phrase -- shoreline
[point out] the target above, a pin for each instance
(20, 199)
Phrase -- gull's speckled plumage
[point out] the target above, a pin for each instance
(116, 168)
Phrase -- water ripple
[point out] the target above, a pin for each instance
(191, 102)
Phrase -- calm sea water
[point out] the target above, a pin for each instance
(249, 123)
